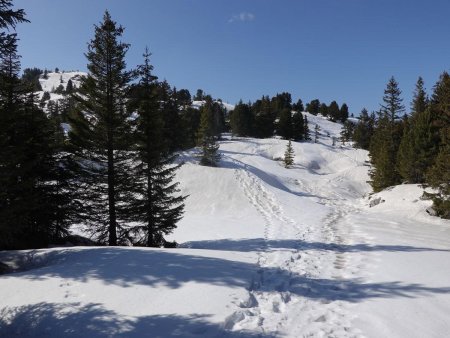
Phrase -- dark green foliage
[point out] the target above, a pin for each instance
(323, 109)
(191, 123)
(154, 208)
(392, 107)
(306, 132)
(207, 135)
(313, 107)
(417, 147)
(285, 125)
(298, 127)
(364, 130)
(31, 77)
(9, 17)
(173, 126)
(199, 96)
(183, 98)
(438, 176)
(59, 89)
(264, 118)
(343, 113)
(46, 96)
(281, 101)
(30, 198)
(347, 132)
(69, 87)
(100, 133)
(242, 120)
(386, 139)
(298, 107)
(334, 112)
(288, 159)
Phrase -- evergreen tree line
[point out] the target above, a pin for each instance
(279, 116)
(113, 170)
(412, 148)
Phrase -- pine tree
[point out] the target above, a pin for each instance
(206, 135)
(171, 113)
(438, 175)
(417, 147)
(386, 139)
(347, 132)
(284, 128)
(241, 120)
(69, 87)
(100, 132)
(313, 107)
(199, 96)
(298, 126)
(364, 129)
(154, 208)
(323, 109)
(343, 113)
(288, 159)
(298, 107)
(29, 164)
(264, 118)
(316, 133)
(334, 112)
(307, 134)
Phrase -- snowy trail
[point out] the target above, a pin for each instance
(280, 302)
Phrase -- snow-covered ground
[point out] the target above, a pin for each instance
(265, 252)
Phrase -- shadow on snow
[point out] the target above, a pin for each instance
(92, 320)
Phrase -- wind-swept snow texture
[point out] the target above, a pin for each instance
(265, 252)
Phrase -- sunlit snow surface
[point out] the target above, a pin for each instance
(265, 252)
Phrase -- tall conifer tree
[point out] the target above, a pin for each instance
(386, 139)
(154, 207)
(100, 131)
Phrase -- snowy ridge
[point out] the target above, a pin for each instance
(265, 252)
(198, 104)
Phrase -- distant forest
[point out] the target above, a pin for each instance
(104, 155)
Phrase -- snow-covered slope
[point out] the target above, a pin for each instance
(265, 252)
(54, 80)
(61, 78)
(228, 106)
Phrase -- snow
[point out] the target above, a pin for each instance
(54, 80)
(264, 252)
(198, 104)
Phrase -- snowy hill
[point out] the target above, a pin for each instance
(265, 252)
(228, 107)
(54, 80)
(60, 78)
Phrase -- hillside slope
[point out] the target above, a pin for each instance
(265, 252)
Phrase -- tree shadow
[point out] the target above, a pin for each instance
(261, 244)
(156, 268)
(127, 267)
(73, 320)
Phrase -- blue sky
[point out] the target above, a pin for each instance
(343, 50)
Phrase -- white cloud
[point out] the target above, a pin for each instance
(242, 17)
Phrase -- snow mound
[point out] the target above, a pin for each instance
(405, 199)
